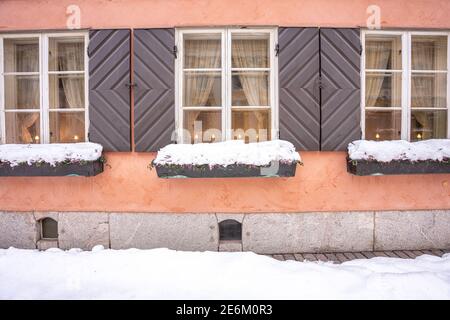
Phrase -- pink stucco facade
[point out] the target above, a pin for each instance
(322, 184)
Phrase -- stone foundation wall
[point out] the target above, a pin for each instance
(261, 233)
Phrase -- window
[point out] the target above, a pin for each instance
(230, 230)
(226, 85)
(405, 85)
(48, 229)
(42, 88)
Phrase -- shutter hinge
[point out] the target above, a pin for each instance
(277, 50)
(360, 48)
(175, 52)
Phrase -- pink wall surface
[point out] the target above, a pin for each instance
(51, 14)
(322, 184)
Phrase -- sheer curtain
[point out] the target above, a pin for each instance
(25, 93)
(376, 58)
(201, 54)
(66, 56)
(71, 59)
(247, 53)
(425, 87)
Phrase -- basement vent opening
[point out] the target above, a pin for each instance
(230, 230)
(49, 229)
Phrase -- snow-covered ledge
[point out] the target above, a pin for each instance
(398, 157)
(233, 158)
(58, 159)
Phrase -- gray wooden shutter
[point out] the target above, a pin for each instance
(154, 97)
(341, 82)
(299, 109)
(109, 94)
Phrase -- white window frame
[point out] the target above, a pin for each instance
(226, 108)
(406, 37)
(44, 108)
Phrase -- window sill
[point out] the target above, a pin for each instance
(396, 167)
(232, 171)
(84, 168)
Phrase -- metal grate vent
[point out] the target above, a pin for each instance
(230, 230)
(49, 228)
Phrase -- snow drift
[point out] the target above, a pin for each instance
(15, 154)
(386, 151)
(227, 153)
(168, 274)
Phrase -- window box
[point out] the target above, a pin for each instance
(375, 168)
(398, 157)
(227, 159)
(235, 170)
(76, 159)
(38, 169)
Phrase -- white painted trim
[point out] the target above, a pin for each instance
(226, 69)
(448, 85)
(363, 85)
(22, 110)
(45, 93)
(383, 71)
(384, 108)
(2, 97)
(406, 88)
(20, 73)
(86, 87)
(406, 78)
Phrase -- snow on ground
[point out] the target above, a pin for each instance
(386, 151)
(169, 274)
(227, 153)
(53, 153)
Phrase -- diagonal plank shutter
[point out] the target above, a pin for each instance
(299, 109)
(341, 85)
(154, 97)
(109, 94)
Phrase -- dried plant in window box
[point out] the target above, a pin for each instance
(398, 157)
(78, 159)
(227, 159)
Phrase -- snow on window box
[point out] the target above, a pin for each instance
(59, 159)
(227, 159)
(398, 157)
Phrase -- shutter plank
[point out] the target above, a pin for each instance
(341, 92)
(154, 100)
(109, 97)
(299, 110)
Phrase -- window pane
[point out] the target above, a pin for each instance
(202, 126)
(66, 91)
(21, 55)
(202, 51)
(202, 89)
(428, 125)
(251, 126)
(67, 127)
(66, 54)
(250, 51)
(383, 125)
(22, 92)
(22, 127)
(383, 52)
(250, 88)
(383, 89)
(429, 52)
(429, 90)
